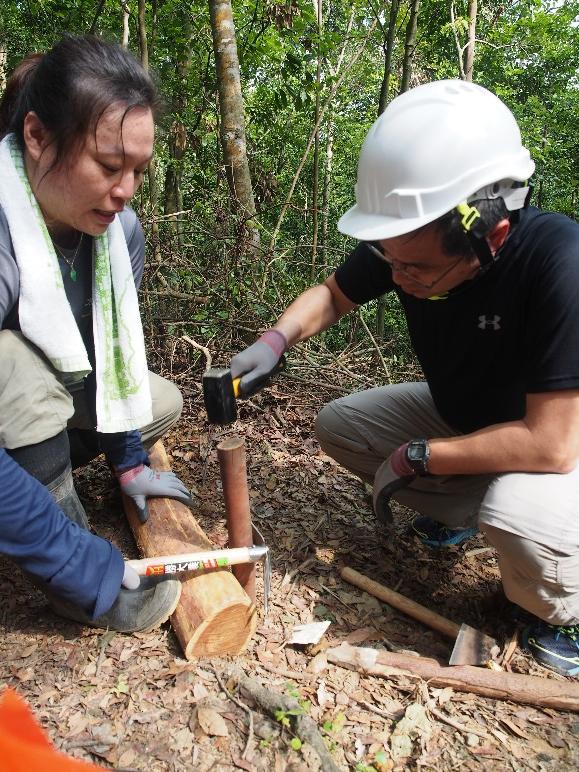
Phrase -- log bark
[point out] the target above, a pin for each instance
(214, 616)
(233, 470)
(514, 687)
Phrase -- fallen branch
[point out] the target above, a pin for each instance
(457, 725)
(204, 349)
(294, 675)
(526, 689)
(302, 725)
(241, 705)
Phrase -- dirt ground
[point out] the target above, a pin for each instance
(135, 703)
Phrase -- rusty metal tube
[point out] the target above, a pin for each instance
(233, 470)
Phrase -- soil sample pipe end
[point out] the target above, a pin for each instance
(233, 470)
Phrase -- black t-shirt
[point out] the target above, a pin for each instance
(512, 331)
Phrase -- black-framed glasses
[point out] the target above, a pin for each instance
(395, 265)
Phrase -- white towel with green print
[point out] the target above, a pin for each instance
(46, 319)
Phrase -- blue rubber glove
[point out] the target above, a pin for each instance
(395, 473)
(256, 362)
(142, 482)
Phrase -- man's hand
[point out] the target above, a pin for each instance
(257, 361)
(141, 482)
(395, 473)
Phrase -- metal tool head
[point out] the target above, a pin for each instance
(219, 396)
(473, 647)
(260, 541)
(220, 391)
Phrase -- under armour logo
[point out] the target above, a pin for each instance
(494, 322)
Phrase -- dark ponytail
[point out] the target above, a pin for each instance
(15, 87)
(71, 86)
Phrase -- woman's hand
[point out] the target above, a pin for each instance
(142, 482)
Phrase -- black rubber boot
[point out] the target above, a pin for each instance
(134, 611)
(63, 492)
(49, 463)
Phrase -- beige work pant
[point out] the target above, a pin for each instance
(532, 520)
(35, 405)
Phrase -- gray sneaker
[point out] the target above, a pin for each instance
(134, 611)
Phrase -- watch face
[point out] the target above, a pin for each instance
(415, 452)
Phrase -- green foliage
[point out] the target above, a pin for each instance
(336, 725)
(293, 691)
(122, 686)
(282, 716)
(323, 613)
(528, 53)
(380, 759)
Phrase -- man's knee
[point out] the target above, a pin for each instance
(541, 580)
(326, 425)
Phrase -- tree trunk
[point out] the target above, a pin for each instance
(3, 59)
(411, 32)
(318, 7)
(151, 168)
(409, 46)
(177, 140)
(177, 145)
(232, 128)
(125, 41)
(328, 166)
(383, 101)
(388, 53)
(92, 28)
(469, 50)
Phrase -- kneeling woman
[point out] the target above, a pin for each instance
(77, 129)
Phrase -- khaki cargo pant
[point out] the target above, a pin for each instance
(532, 520)
(35, 405)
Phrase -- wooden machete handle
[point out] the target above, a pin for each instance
(410, 607)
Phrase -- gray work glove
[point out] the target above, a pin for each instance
(395, 473)
(257, 362)
(141, 482)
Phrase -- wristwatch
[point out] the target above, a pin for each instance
(418, 453)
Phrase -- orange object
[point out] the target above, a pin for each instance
(25, 746)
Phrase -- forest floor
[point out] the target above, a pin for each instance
(135, 703)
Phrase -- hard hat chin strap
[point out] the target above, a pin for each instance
(476, 230)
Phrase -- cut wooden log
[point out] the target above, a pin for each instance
(515, 687)
(215, 616)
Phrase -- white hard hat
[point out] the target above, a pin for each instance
(433, 148)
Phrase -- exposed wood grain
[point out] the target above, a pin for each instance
(215, 616)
